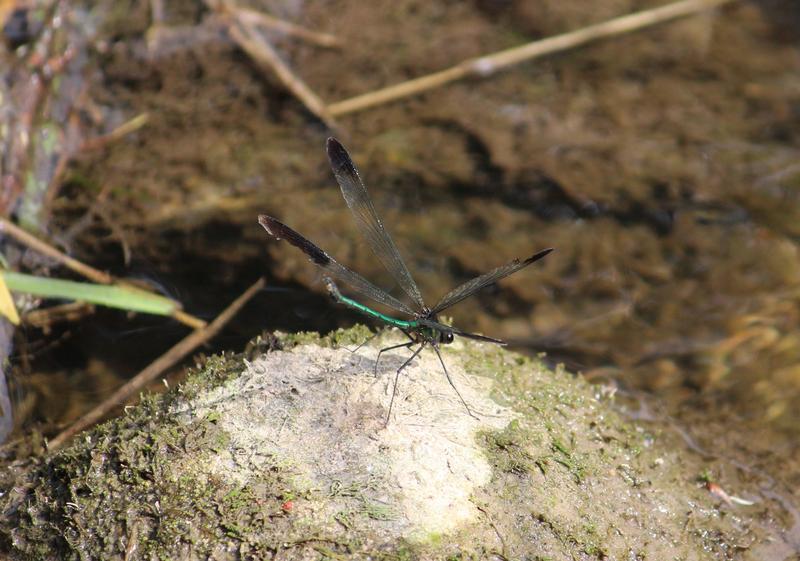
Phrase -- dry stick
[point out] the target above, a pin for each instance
(188, 319)
(486, 65)
(6, 226)
(36, 244)
(266, 20)
(157, 367)
(248, 38)
(123, 130)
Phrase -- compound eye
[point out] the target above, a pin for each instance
(447, 337)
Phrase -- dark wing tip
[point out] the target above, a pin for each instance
(337, 154)
(281, 231)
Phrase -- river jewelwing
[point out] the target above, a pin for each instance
(423, 327)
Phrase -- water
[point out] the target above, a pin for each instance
(662, 166)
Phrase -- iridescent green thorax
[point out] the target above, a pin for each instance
(416, 329)
(399, 323)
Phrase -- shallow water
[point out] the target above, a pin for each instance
(662, 166)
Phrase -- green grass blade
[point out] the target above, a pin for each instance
(122, 297)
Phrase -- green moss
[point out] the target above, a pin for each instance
(353, 336)
(569, 459)
(362, 504)
(213, 371)
(507, 450)
(132, 479)
(300, 338)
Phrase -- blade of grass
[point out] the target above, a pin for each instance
(8, 227)
(122, 297)
(7, 307)
(121, 131)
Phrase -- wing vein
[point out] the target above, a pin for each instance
(281, 231)
(367, 220)
(472, 286)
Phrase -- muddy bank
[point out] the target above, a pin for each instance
(662, 165)
(286, 455)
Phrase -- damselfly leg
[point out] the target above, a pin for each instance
(397, 377)
(408, 345)
(449, 379)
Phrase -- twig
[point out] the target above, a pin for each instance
(251, 42)
(17, 153)
(123, 130)
(157, 367)
(259, 18)
(228, 9)
(486, 65)
(8, 227)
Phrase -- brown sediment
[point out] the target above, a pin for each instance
(662, 166)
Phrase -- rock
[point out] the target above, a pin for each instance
(287, 455)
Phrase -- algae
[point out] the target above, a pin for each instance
(285, 455)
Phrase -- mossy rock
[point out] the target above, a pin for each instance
(287, 455)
